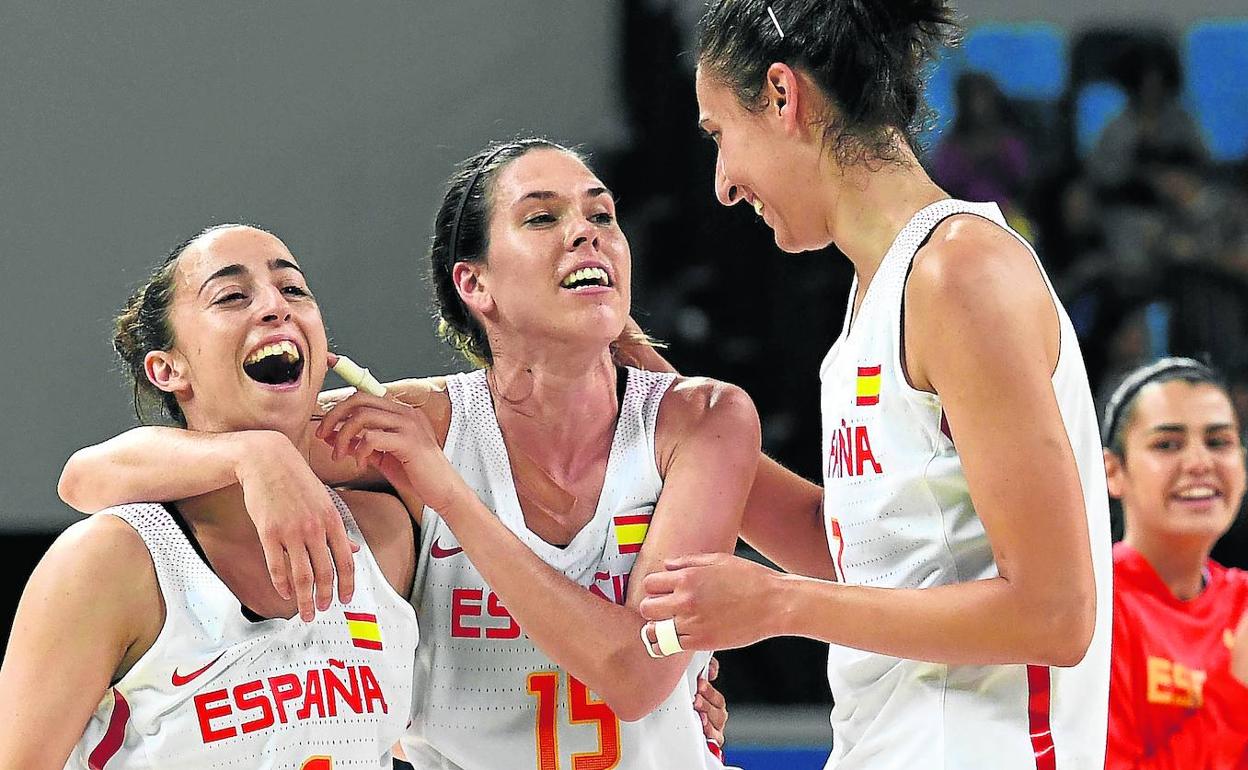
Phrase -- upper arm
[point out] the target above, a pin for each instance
(89, 610)
(708, 442)
(982, 331)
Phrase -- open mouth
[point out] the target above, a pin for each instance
(277, 364)
(1197, 494)
(586, 277)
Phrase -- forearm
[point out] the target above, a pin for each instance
(155, 463)
(606, 640)
(981, 622)
(784, 521)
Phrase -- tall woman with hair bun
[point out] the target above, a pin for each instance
(963, 516)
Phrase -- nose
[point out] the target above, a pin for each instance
(583, 233)
(1197, 459)
(727, 192)
(273, 306)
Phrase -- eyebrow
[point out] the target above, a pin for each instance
(230, 271)
(545, 195)
(1179, 428)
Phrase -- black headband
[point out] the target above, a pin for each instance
(1134, 382)
(463, 201)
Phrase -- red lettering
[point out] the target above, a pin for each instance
(352, 697)
(313, 695)
(372, 690)
(844, 451)
(247, 696)
(461, 606)
(620, 582)
(496, 609)
(862, 448)
(206, 710)
(285, 688)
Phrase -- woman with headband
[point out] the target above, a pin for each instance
(149, 636)
(1178, 694)
(963, 506)
(551, 481)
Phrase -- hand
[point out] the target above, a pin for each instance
(301, 532)
(397, 439)
(718, 601)
(711, 706)
(1239, 652)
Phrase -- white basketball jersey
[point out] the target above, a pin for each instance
(217, 690)
(899, 515)
(486, 698)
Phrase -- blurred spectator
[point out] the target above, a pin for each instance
(984, 158)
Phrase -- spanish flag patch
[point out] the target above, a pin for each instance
(868, 391)
(630, 531)
(364, 630)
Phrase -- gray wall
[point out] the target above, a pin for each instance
(126, 126)
(1073, 14)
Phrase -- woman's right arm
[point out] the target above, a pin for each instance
(302, 534)
(91, 608)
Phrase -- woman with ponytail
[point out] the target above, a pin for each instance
(957, 556)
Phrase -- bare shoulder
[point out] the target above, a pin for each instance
(700, 410)
(971, 278)
(969, 256)
(381, 516)
(103, 546)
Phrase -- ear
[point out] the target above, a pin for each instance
(167, 370)
(783, 90)
(1114, 471)
(470, 282)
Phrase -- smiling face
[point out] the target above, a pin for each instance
(1182, 470)
(249, 345)
(769, 159)
(558, 267)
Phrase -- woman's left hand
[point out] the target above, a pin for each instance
(718, 601)
(711, 706)
(397, 439)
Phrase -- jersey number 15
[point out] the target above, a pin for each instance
(582, 709)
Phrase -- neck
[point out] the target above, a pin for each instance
(219, 515)
(1180, 565)
(867, 204)
(570, 399)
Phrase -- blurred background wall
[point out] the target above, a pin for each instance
(127, 126)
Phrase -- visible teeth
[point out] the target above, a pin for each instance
(284, 348)
(758, 207)
(1197, 492)
(587, 274)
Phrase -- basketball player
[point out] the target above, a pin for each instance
(1178, 689)
(963, 502)
(145, 639)
(567, 479)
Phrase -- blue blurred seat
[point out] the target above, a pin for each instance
(941, 96)
(1096, 104)
(1216, 64)
(1028, 60)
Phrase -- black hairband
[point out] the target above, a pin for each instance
(1135, 381)
(463, 201)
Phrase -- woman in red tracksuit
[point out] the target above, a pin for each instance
(1179, 677)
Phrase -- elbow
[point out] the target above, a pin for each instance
(1067, 629)
(639, 694)
(69, 487)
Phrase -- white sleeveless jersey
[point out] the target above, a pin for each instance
(899, 515)
(217, 690)
(486, 698)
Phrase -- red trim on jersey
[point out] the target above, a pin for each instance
(110, 744)
(1039, 705)
(715, 749)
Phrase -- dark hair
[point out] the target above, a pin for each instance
(866, 55)
(143, 326)
(1121, 406)
(461, 234)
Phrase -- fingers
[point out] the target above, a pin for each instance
(658, 607)
(279, 567)
(660, 583)
(694, 560)
(322, 576)
(301, 570)
(712, 669)
(344, 409)
(341, 549)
